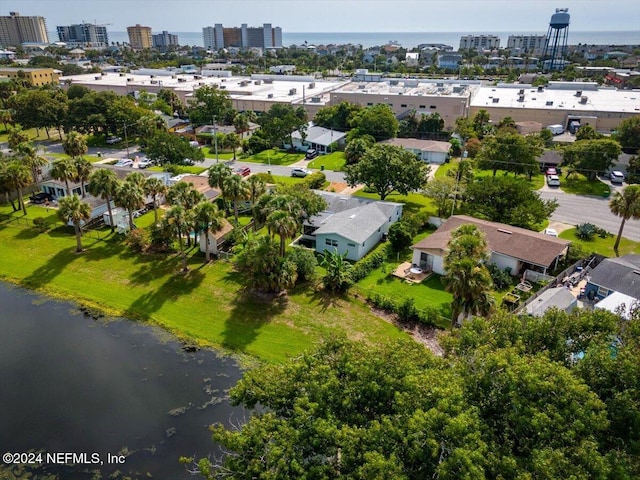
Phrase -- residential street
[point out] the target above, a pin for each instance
(575, 209)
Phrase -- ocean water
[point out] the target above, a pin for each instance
(408, 39)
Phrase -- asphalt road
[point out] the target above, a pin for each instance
(575, 209)
(572, 209)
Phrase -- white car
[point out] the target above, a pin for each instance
(616, 177)
(112, 140)
(300, 172)
(553, 180)
(144, 163)
(125, 162)
(551, 232)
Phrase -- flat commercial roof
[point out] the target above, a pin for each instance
(597, 100)
(257, 87)
(411, 87)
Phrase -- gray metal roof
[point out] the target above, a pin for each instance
(558, 297)
(320, 135)
(619, 274)
(357, 224)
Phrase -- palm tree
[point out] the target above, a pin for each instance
(130, 196)
(338, 277)
(178, 219)
(256, 187)
(83, 171)
(154, 187)
(469, 282)
(241, 124)
(71, 209)
(186, 196)
(284, 224)
(625, 204)
(232, 141)
(209, 219)
(137, 178)
(30, 157)
(64, 170)
(467, 278)
(75, 144)
(19, 177)
(217, 174)
(104, 183)
(235, 189)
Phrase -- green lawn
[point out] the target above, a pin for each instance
(536, 182)
(208, 305)
(603, 246)
(60, 156)
(209, 153)
(33, 134)
(274, 157)
(578, 184)
(334, 161)
(413, 203)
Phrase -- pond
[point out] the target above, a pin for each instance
(71, 384)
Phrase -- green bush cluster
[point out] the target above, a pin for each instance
(365, 266)
(405, 309)
(138, 240)
(316, 180)
(41, 224)
(586, 231)
(501, 278)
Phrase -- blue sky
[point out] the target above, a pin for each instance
(335, 15)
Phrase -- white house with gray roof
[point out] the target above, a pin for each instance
(351, 226)
(317, 137)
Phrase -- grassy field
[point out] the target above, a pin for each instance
(210, 153)
(274, 157)
(334, 161)
(536, 182)
(193, 169)
(33, 134)
(578, 184)
(603, 246)
(60, 156)
(208, 305)
(413, 203)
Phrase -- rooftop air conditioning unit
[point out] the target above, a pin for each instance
(521, 98)
(316, 99)
(268, 80)
(549, 103)
(152, 76)
(104, 74)
(129, 79)
(154, 82)
(312, 85)
(202, 84)
(270, 95)
(174, 76)
(98, 78)
(223, 87)
(521, 92)
(393, 83)
(578, 93)
(496, 100)
(541, 88)
(361, 87)
(123, 74)
(293, 91)
(584, 99)
(257, 82)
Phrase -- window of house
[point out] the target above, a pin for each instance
(331, 242)
(403, 105)
(422, 107)
(369, 104)
(432, 107)
(351, 244)
(378, 230)
(603, 292)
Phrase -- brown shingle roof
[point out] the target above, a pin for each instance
(417, 144)
(526, 245)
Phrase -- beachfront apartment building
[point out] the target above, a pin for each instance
(140, 37)
(526, 43)
(218, 36)
(84, 35)
(16, 29)
(479, 42)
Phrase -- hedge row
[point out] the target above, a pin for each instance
(365, 266)
(405, 309)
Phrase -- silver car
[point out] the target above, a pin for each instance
(300, 172)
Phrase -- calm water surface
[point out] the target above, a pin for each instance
(69, 383)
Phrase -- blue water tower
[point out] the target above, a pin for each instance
(555, 47)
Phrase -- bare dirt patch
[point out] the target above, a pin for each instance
(336, 187)
(427, 336)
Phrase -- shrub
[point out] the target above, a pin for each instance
(305, 261)
(575, 252)
(41, 224)
(161, 238)
(265, 177)
(501, 278)
(138, 240)
(257, 144)
(365, 266)
(315, 180)
(586, 231)
(400, 236)
(407, 311)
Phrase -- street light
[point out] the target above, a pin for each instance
(215, 137)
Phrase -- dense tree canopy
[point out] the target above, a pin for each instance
(514, 398)
(379, 121)
(385, 168)
(507, 200)
(281, 121)
(167, 148)
(511, 152)
(210, 104)
(337, 117)
(591, 156)
(628, 134)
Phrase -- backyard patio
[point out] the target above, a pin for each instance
(410, 273)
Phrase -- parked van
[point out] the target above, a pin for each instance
(574, 125)
(556, 129)
(311, 154)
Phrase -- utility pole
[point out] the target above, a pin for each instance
(215, 137)
(126, 139)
